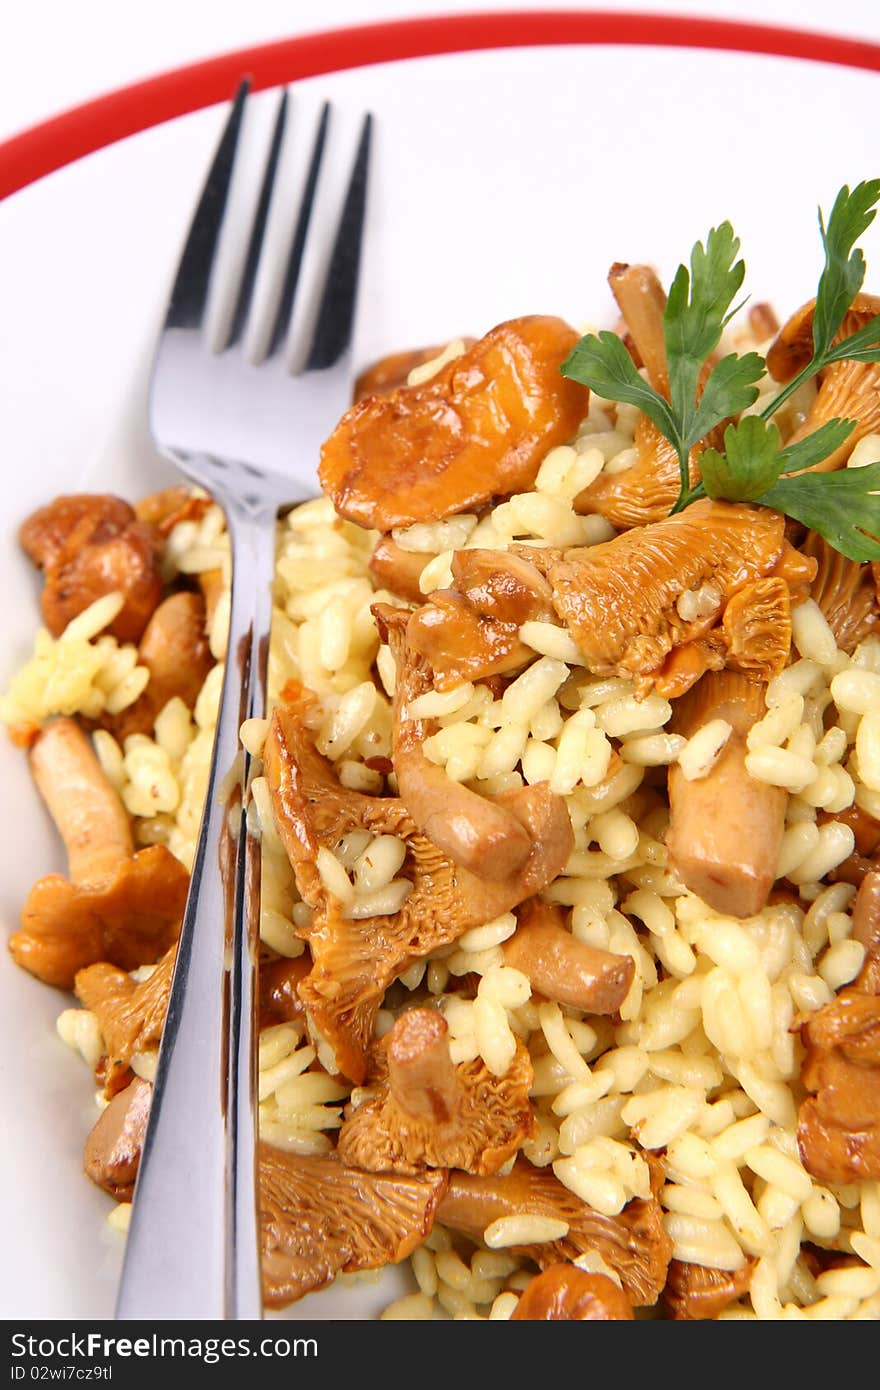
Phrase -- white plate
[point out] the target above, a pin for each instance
(505, 182)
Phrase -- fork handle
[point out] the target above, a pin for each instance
(192, 1249)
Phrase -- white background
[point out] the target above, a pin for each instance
(58, 52)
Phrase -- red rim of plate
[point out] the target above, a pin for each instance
(89, 127)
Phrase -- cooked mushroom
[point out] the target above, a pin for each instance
(695, 1292)
(117, 906)
(492, 837)
(319, 1218)
(848, 390)
(647, 491)
(175, 651)
(423, 1111)
(398, 570)
(392, 372)
(279, 982)
(477, 429)
(845, 591)
(641, 299)
(867, 843)
(113, 1148)
(165, 509)
(565, 1293)
(563, 968)
(471, 632)
(88, 546)
(91, 819)
(756, 628)
(75, 519)
(726, 829)
(621, 599)
(130, 1015)
(634, 1244)
(355, 959)
(839, 1122)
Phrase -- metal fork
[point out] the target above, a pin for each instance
(250, 435)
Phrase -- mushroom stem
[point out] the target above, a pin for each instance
(726, 829)
(90, 816)
(476, 833)
(420, 1070)
(642, 299)
(397, 569)
(114, 1146)
(562, 968)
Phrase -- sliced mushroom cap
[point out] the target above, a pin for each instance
(634, 1244)
(477, 429)
(620, 599)
(166, 508)
(423, 1111)
(319, 1218)
(696, 1292)
(564, 1293)
(726, 828)
(355, 959)
(471, 632)
(757, 628)
(492, 837)
(793, 347)
(88, 546)
(645, 492)
(388, 374)
(175, 651)
(845, 591)
(72, 521)
(563, 968)
(130, 1015)
(839, 1122)
(848, 390)
(131, 918)
(114, 1146)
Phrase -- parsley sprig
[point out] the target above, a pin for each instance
(754, 466)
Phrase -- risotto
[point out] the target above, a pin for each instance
(569, 967)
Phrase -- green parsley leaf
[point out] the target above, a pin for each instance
(844, 507)
(697, 309)
(603, 363)
(728, 389)
(844, 271)
(749, 464)
(816, 446)
(861, 346)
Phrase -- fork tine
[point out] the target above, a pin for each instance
(261, 217)
(190, 292)
(336, 312)
(297, 245)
